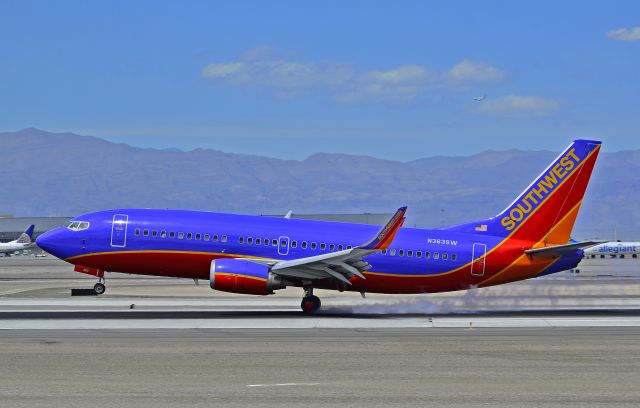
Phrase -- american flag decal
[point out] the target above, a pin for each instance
(481, 228)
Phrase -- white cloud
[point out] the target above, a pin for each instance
(475, 71)
(625, 34)
(222, 70)
(289, 78)
(519, 106)
(403, 83)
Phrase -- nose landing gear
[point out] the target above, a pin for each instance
(310, 303)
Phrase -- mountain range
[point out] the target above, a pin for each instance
(59, 174)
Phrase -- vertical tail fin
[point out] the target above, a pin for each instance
(27, 236)
(547, 209)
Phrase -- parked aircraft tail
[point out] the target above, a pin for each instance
(547, 209)
(27, 236)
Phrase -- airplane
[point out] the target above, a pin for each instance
(259, 255)
(480, 98)
(615, 249)
(25, 241)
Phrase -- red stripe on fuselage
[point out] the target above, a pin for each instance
(192, 265)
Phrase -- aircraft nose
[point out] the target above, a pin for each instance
(49, 241)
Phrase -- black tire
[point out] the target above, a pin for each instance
(310, 304)
(99, 288)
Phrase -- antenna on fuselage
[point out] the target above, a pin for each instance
(289, 214)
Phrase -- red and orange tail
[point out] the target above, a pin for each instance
(546, 210)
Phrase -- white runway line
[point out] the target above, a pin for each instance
(312, 323)
(282, 385)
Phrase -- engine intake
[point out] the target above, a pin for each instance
(240, 276)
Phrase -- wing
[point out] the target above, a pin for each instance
(341, 265)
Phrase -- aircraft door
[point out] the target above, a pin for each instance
(283, 245)
(478, 257)
(119, 230)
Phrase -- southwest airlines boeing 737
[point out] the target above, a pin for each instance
(259, 255)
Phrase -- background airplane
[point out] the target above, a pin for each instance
(258, 255)
(614, 249)
(25, 241)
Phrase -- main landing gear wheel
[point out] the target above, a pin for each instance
(310, 304)
(99, 288)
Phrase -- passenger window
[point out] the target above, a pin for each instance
(304, 244)
(283, 242)
(349, 246)
(180, 235)
(198, 237)
(163, 234)
(241, 240)
(266, 241)
(224, 238)
(258, 241)
(418, 254)
(207, 237)
(436, 255)
(323, 246)
(314, 245)
(454, 257)
(249, 240)
(332, 247)
(384, 252)
(294, 244)
(409, 253)
(392, 252)
(154, 233)
(189, 235)
(172, 234)
(215, 238)
(427, 255)
(274, 242)
(401, 252)
(445, 256)
(340, 247)
(137, 231)
(145, 233)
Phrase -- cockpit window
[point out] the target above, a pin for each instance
(78, 225)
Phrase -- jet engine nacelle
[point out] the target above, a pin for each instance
(240, 276)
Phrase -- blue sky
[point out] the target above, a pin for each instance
(393, 79)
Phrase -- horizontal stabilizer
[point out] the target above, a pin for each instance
(560, 250)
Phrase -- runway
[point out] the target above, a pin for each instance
(169, 343)
(132, 314)
(321, 367)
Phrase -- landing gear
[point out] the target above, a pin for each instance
(99, 287)
(310, 303)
